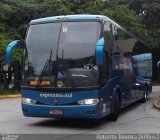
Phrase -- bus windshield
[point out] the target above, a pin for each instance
(62, 53)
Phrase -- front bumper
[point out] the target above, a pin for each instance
(76, 111)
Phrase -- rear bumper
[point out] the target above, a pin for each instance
(79, 111)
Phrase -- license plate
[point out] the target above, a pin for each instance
(56, 112)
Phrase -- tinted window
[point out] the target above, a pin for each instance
(76, 53)
(41, 42)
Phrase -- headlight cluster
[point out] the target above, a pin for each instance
(81, 102)
(88, 101)
(28, 100)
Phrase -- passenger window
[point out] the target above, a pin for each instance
(108, 45)
(108, 35)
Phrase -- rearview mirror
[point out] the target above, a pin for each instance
(100, 53)
(13, 44)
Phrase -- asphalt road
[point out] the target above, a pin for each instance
(138, 118)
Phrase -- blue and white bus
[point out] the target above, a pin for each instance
(81, 66)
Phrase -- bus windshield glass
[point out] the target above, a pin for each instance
(62, 54)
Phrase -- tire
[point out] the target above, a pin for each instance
(143, 100)
(114, 115)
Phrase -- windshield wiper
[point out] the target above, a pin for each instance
(44, 69)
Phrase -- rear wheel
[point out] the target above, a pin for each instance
(145, 91)
(114, 115)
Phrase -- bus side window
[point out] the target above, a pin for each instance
(104, 75)
(108, 42)
(107, 35)
(117, 47)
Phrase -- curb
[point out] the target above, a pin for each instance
(156, 105)
(10, 96)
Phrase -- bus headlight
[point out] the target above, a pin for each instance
(28, 100)
(88, 101)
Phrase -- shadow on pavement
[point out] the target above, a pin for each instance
(84, 123)
(71, 123)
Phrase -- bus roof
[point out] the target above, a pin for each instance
(81, 17)
(67, 17)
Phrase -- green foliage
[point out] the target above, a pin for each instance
(84, 6)
(22, 30)
(2, 27)
(126, 17)
(16, 55)
(52, 8)
(5, 11)
(4, 41)
(149, 12)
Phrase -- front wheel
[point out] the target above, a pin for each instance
(114, 115)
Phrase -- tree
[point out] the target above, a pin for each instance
(5, 14)
(52, 8)
(149, 12)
